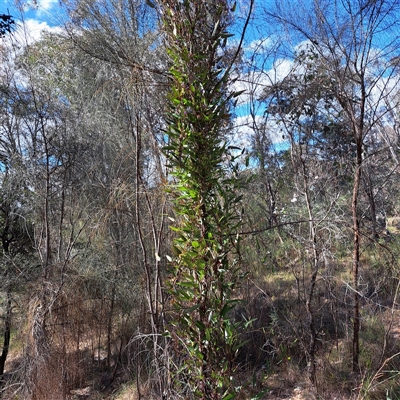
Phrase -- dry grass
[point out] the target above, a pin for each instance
(273, 300)
(127, 392)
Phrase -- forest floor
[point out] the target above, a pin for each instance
(287, 379)
(290, 384)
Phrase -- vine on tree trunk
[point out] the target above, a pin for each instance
(204, 267)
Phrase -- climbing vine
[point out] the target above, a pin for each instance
(204, 265)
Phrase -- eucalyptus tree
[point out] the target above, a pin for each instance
(48, 136)
(357, 45)
(40, 129)
(15, 223)
(15, 219)
(303, 113)
(18, 261)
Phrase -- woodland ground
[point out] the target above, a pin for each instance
(281, 370)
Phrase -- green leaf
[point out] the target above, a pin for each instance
(208, 335)
(249, 322)
(199, 354)
(200, 325)
(186, 284)
(238, 93)
(193, 308)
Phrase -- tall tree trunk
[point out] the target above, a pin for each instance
(7, 331)
(6, 239)
(356, 257)
(315, 263)
(369, 191)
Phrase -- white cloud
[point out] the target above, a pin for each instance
(39, 5)
(28, 32)
(280, 70)
(242, 133)
(46, 4)
(253, 83)
(246, 126)
(261, 46)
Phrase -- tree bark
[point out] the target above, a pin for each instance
(7, 332)
(356, 257)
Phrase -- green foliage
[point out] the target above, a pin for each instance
(203, 271)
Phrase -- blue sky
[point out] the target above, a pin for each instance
(38, 15)
(44, 15)
(48, 11)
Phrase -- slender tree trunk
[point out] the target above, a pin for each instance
(356, 258)
(7, 319)
(110, 320)
(152, 270)
(7, 332)
(372, 204)
(315, 268)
